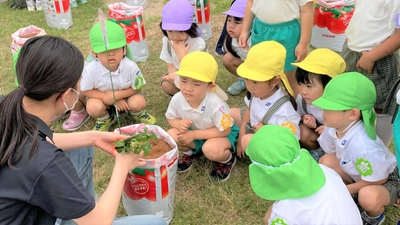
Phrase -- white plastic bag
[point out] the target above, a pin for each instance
(150, 189)
(23, 34)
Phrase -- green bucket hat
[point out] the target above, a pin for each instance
(115, 36)
(348, 91)
(280, 169)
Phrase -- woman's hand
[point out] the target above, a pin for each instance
(130, 160)
(104, 140)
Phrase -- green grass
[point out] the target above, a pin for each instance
(198, 200)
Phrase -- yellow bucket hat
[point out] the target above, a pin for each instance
(265, 61)
(200, 66)
(323, 61)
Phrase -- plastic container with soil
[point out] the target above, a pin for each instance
(150, 189)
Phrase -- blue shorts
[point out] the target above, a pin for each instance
(287, 34)
(232, 137)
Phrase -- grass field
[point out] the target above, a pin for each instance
(198, 200)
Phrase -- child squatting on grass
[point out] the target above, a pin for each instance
(352, 147)
(372, 48)
(200, 118)
(181, 36)
(305, 193)
(266, 101)
(288, 22)
(126, 76)
(313, 74)
(235, 55)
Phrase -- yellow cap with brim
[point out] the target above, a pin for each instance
(265, 61)
(200, 66)
(323, 61)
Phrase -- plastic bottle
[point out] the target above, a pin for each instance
(57, 13)
(143, 3)
(202, 17)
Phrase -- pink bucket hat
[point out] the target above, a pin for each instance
(177, 15)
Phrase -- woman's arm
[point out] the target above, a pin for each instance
(103, 140)
(106, 208)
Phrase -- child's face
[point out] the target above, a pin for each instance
(312, 91)
(234, 27)
(338, 119)
(193, 90)
(177, 35)
(261, 89)
(115, 56)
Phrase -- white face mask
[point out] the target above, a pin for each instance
(73, 105)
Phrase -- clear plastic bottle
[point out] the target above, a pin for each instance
(57, 13)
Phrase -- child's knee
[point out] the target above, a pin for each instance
(169, 88)
(95, 108)
(373, 197)
(137, 102)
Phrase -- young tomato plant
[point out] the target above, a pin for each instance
(136, 143)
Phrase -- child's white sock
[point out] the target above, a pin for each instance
(188, 152)
(80, 111)
(384, 128)
(230, 157)
(136, 113)
(104, 117)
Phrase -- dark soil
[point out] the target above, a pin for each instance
(159, 148)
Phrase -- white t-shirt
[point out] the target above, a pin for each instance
(311, 109)
(277, 11)
(284, 116)
(196, 44)
(331, 205)
(360, 157)
(212, 112)
(96, 76)
(372, 23)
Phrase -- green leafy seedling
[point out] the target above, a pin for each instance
(136, 143)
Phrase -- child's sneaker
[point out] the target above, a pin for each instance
(367, 220)
(73, 4)
(75, 120)
(237, 87)
(222, 171)
(39, 6)
(31, 8)
(60, 117)
(397, 203)
(185, 162)
(145, 118)
(103, 125)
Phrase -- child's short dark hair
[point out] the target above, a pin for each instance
(192, 32)
(228, 39)
(305, 77)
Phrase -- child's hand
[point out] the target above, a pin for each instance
(169, 78)
(309, 121)
(186, 138)
(258, 126)
(300, 52)
(180, 48)
(244, 36)
(366, 62)
(108, 98)
(239, 150)
(320, 129)
(184, 125)
(122, 105)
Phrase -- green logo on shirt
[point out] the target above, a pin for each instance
(139, 83)
(278, 221)
(364, 167)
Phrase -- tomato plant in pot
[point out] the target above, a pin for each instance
(149, 189)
